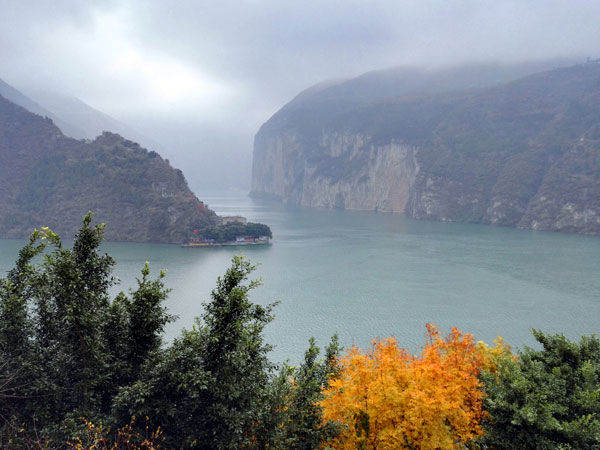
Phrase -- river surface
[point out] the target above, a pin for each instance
(365, 275)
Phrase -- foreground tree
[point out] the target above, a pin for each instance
(211, 386)
(295, 417)
(546, 399)
(75, 364)
(387, 399)
(61, 334)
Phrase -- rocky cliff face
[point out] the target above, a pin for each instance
(47, 179)
(524, 153)
(352, 173)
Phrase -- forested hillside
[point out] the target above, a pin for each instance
(522, 153)
(49, 179)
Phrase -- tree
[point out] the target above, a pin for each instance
(292, 417)
(546, 399)
(68, 345)
(67, 352)
(230, 231)
(387, 399)
(213, 384)
(16, 331)
(147, 318)
(305, 425)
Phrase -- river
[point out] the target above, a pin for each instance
(365, 275)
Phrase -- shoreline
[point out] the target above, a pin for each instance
(223, 244)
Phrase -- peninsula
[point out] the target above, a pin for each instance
(49, 179)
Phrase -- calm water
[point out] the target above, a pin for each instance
(365, 275)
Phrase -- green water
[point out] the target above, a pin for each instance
(365, 275)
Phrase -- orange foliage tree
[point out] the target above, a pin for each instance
(386, 398)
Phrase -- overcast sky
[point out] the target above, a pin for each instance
(201, 77)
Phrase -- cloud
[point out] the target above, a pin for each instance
(232, 63)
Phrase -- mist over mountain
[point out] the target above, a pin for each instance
(377, 85)
(17, 97)
(49, 179)
(215, 156)
(85, 122)
(75, 118)
(213, 153)
(200, 81)
(522, 153)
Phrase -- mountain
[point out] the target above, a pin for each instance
(75, 118)
(85, 122)
(48, 179)
(17, 97)
(520, 153)
(332, 97)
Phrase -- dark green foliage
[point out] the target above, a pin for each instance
(68, 351)
(547, 399)
(292, 419)
(214, 380)
(66, 346)
(230, 231)
(305, 429)
(170, 390)
(236, 357)
(147, 318)
(214, 387)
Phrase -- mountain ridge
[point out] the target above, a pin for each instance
(48, 179)
(72, 116)
(508, 154)
(87, 121)
(19, 98)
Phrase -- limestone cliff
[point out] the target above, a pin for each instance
(352, 173)
(524, 153)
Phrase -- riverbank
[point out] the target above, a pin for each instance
(225, 244)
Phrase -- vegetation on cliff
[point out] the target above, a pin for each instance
(49, 179)
(524, 153)
(229, 232)
(76, 364)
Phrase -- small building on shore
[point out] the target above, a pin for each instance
(233, 219)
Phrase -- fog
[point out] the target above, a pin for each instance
(200, 78)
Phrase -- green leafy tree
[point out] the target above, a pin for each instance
(67, 346)
(546, 399)
(305, 426)
(215, 379)
(67, 351)
(236, 358)
(147, 318)
(230, 231)
(292, 418)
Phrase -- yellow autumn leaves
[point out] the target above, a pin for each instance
(386, 398)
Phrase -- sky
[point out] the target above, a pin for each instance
(201, 77)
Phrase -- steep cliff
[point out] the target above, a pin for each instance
(524, 153)
(47, 179)
(352, 173)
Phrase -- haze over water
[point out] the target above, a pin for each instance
(364, 275)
